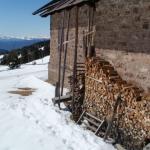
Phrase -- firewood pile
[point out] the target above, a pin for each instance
(102, 87)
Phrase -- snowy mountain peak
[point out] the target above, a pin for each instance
(11, 42)
(9, 37)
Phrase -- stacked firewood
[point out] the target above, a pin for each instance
(102, 87)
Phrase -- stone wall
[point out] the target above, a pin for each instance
(123, 35)
(122, 38)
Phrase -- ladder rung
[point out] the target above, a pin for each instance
(80, 66)
(82, 73)
(61, 99)
(94, 123)
(93, 117)
(80, 63)
(91, 128)
(80, 70)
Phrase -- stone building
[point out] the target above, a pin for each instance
(116, 30)
(122, 35)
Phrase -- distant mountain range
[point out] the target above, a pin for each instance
(3, 51)
(10, 43)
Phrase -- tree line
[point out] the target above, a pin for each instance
(26, 54)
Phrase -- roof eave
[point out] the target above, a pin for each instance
(51, 8)
(47, 13)
(46, 6)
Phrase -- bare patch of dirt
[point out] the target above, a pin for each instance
(23, 91)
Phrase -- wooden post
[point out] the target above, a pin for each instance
(84, 45)
(75, 59)
(60, 51)
(91, 36)
(65, 53)
(56, 90)
(110, 122)
(89, 29)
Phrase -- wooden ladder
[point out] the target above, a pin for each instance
(95, 125)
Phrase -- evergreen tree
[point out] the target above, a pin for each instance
(14, 61)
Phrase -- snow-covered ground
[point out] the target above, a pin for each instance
(32, 122)
(40, 70)
(1, 56)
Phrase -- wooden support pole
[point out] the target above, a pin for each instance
(91, 37)
(65, 53)
(84, 45)
(60, 53)
(93, 27)
(75, 59)
(89, 27)
(56, 90)
(110, 122)
(79, 120)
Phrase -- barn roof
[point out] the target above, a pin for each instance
(57, 5)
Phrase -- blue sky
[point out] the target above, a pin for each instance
(16, 18)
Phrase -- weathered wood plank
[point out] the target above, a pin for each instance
(75, 60)
(91, 121)
(65, 53)
(91, 128)
(61, 99)
(60, 53)
(93, 117)
(99, 127)
(79, 120)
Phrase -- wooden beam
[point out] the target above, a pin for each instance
(81, 117)
(93, 117)
(75, 56)
(57, 90)
(99, 127)
(92, 128)
(60, 52)
(91, 121)
(110, 122)
(84, 45)
(65, 98)
(65, 53)
(89, 28)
